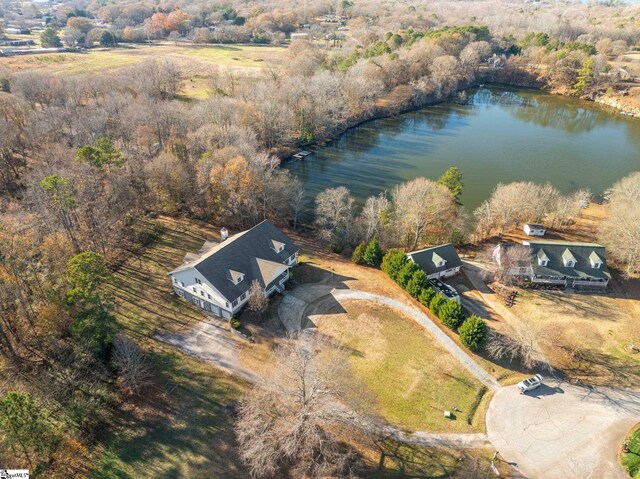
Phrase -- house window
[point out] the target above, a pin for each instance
(235, 303)
(201, 293)
(226, 303)
(244, 295)
(181, 284)
(198, 281)
(208, 296)
(175, 281)
(194, 289)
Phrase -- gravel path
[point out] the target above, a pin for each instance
(424, 321)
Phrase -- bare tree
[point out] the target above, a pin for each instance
(522, 346)
(513, 263)
(296, 425)
(620, 232)
(334, 214)
(134, 372)
(420, 205)
(258, 301)
(372, 218)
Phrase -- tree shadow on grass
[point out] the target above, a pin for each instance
(178, 426)
(401, 460)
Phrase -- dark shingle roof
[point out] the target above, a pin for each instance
(250, 253)
(557, 250)
(424, 258)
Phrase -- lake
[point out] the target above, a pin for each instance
(499, 135)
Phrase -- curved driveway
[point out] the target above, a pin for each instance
(558, 431)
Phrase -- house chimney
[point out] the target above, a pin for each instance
(224, 234)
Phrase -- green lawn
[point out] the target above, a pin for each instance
(631, 460)
(412, 378)
(180, 428)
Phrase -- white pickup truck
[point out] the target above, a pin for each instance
(530, 384)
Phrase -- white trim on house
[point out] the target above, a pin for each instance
(534, 230)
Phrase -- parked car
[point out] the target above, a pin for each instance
(530, 384)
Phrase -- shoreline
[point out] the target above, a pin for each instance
(607, 101)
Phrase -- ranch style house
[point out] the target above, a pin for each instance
(582, 266)
(219, 276)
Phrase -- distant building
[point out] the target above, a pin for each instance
(534, 229)
(437, 261)
(300, 36)
(218, 278)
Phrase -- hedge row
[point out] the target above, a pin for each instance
(473, 330)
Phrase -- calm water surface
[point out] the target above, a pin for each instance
(499, 135)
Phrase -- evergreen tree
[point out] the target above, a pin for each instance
(358, 254)
(373, 254)
(451, 314)
(24, 423)
(436, 303)
(452, 180)
(473, 333)
(103, 154)
(426, 295)
(406, 273)
(392, 263)
(49, 38)
(417, 284)
(93, 324)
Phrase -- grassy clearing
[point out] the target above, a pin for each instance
(318, 264)
(237, 55)
(412, 378)
(180, 428)
(247, 58)
(631, 460)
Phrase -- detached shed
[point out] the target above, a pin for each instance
(534, 229)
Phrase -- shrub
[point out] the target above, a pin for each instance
(373, 254)
(336, 248)
(436, 303)
(406, 273)
(426, 295)
(392, 263)
(417, 283)
(358, 253)
(451, 314)
(473, 333)
(235, 324)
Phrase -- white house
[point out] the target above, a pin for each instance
(218, 278)
(437, 261)
(534, 229)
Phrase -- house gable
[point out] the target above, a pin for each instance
(262, 253)
(437, 259)
(569, 260)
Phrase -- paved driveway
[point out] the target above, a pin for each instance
(561, 431)
(212, 341)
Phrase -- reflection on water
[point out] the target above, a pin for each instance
(498, 135)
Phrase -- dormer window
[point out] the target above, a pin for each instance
(595, 260)
(277, 246)
(568, 259)
(198, 281)
(235, 276)
(438, 260)
(543, 259)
